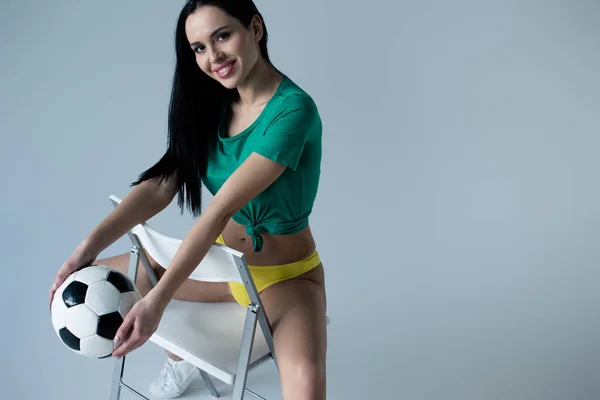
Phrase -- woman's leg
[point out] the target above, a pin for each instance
(296, 309)
(190, 290)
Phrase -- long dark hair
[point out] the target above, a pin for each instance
(194, 109)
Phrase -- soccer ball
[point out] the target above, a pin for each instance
(89, 307)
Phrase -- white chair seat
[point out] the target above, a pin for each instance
(208, 335)
(215, 337)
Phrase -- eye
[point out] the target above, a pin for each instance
(223, 36)
(219, 38)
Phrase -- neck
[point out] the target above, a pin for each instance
(259, 85)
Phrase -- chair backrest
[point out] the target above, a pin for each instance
(218, 265)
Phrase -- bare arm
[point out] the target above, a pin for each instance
(251, 178)
(142, 203)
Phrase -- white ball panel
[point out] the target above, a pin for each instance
(128, 299)
(81, 321)
(103, 298)
(92, 273)
(96, 346)
(59, 313)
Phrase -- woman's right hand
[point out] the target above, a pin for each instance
(81, 257)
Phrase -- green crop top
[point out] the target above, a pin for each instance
(287, 131)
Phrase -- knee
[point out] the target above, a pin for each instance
(303, 380)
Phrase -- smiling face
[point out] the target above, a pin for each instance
(225, 49)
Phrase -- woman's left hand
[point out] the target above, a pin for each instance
(139, 324)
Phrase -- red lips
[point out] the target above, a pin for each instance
(225, 64)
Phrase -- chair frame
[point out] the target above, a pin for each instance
(254, 314)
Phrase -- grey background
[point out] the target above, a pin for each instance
(458, 212)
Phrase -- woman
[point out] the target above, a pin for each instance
(253, 137)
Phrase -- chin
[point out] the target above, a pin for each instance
(229, 83)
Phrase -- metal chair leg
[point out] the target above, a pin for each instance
(255, 394)
(209, 383)
(245, 352)
(117, 383)
(115, 392)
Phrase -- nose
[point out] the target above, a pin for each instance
(216, 56)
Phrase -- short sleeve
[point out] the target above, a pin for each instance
(292, 128)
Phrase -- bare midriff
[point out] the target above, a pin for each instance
(277, 249)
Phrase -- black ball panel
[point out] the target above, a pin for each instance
(120, 281)
(74, 293)
(109, 324)
(69, 339)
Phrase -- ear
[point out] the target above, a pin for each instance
(257, 28)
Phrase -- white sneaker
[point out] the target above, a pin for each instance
(174, 379)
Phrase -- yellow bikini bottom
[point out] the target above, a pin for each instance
(265, 276)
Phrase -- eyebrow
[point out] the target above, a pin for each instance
(212, 34)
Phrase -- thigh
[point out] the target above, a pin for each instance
(190, 290)
(296, 309)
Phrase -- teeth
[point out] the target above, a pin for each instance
(225, 69)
